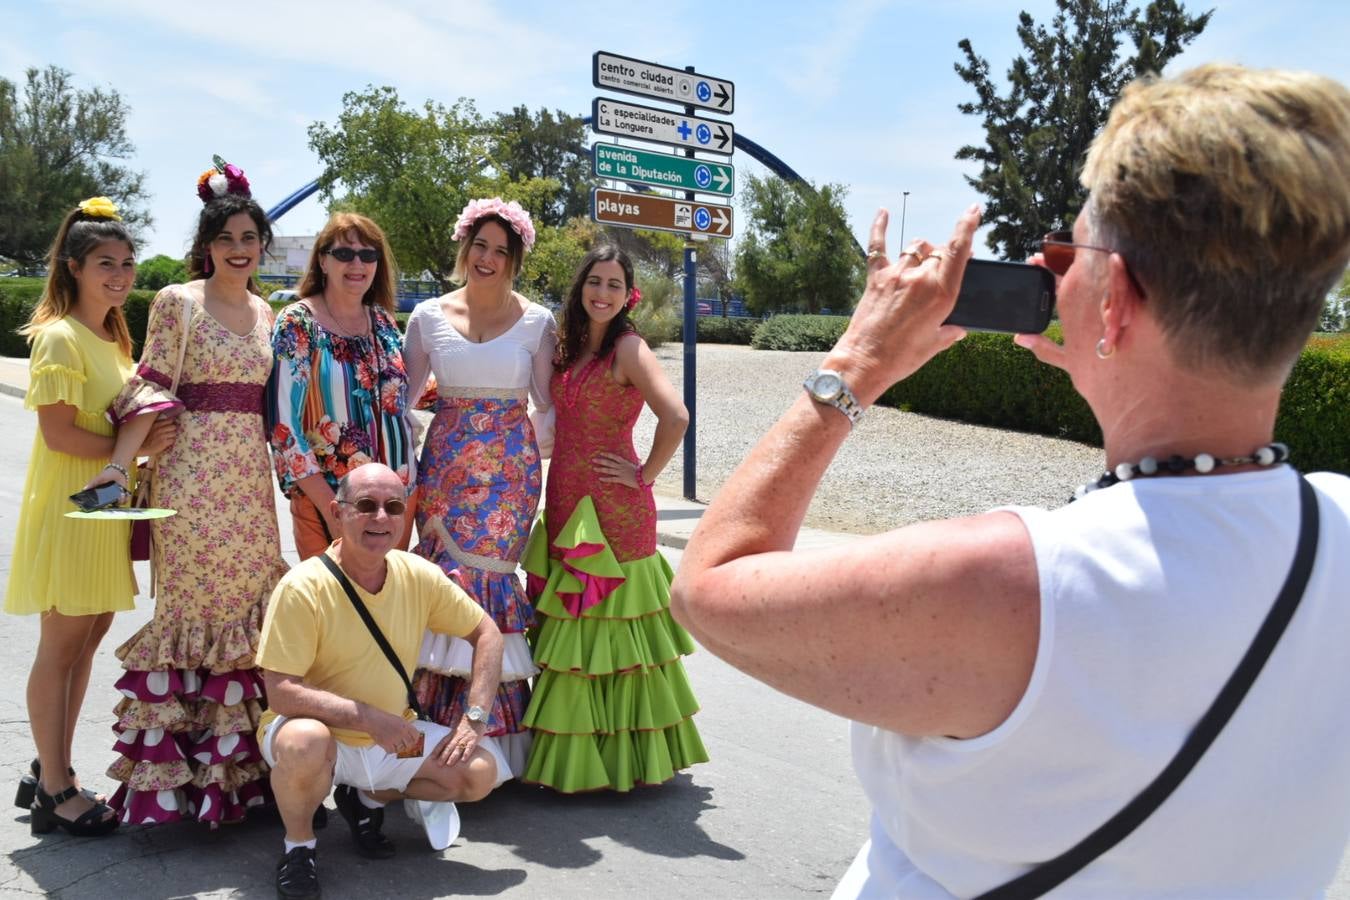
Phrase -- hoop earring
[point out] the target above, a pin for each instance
(1102, 352)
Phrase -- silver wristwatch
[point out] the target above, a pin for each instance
(826, 386)
(476, 715)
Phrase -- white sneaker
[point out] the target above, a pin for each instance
(440, 820)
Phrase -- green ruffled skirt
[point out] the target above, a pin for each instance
(612, 706)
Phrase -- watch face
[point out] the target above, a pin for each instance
(827, 385)
(476, 714)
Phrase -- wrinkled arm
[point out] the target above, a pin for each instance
(290, 696)
(928, 630)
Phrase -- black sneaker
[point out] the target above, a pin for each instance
(365, 824)
(298, 875)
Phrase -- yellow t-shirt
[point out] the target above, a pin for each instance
(312, 630)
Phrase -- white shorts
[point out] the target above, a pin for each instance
(375, 769)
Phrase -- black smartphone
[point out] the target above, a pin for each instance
(1003, 296)
(97, 497)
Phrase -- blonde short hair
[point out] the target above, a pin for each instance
(1227, 192)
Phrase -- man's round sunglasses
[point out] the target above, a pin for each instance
(347, 254)
(367, 506)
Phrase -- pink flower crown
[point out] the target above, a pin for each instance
(223, 178)
(512, 212)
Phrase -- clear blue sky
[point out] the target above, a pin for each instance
(857, 92)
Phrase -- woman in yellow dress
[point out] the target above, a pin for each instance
(74, 574)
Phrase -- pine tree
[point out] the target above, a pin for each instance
(1060, 91)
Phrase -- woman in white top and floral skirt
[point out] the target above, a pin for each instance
(491, 350)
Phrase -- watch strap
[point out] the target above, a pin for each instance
(846, 402)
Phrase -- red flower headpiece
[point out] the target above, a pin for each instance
(634, 297)
(224, 178)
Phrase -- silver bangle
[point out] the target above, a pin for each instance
(118, 468)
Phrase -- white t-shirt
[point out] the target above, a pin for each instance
(1151, 591)
(519, 359)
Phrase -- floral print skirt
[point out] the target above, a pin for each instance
(480, 480)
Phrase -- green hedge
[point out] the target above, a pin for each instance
(16, 300)
(717, 330)
(798, 332)
(986, 379)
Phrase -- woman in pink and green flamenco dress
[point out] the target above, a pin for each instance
(612, 707)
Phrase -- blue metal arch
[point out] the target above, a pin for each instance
(741, 142)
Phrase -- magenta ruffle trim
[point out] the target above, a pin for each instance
(209, 804)
(594, 588)
(155, 745)
(225, 688)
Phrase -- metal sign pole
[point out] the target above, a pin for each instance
(690, 345)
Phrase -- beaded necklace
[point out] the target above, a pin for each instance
(1201, 463)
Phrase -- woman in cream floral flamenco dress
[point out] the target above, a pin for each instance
(192, 695)
(612, 707)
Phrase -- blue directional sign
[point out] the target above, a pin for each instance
(647, 79)
(702, 218)
(662, 170)
(647, 123)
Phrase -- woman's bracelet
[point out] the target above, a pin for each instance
(637, 473)
(117, 467)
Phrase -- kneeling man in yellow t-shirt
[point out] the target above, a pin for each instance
(340, 713)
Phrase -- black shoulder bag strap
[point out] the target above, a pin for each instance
(374, 631)
(1049, 875)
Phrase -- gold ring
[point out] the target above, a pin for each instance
(875, 254)
(917, 257)
(936, 254)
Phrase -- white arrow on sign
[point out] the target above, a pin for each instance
(721, 178)
(720, 214)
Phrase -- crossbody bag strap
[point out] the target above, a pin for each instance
(374, 631)
(1049, 875)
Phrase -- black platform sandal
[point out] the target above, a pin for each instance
(23, 797)
(90, 823)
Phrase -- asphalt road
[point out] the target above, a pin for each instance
(775, 814)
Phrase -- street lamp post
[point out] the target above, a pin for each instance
(904, 205)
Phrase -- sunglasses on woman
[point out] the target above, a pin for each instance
(347, 254)
(1057, 249)
(367, 506)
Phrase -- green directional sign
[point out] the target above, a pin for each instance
(660, 169)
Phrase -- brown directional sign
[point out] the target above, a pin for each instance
(661, 213)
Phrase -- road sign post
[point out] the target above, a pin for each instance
(688, 174)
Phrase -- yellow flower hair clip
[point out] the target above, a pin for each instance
(99, 208)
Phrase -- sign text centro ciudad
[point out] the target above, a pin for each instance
(645, 79)
(663, 170)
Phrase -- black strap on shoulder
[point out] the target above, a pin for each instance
(374, 631)
(1049, 875)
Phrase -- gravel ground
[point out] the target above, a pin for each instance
(896, 468)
